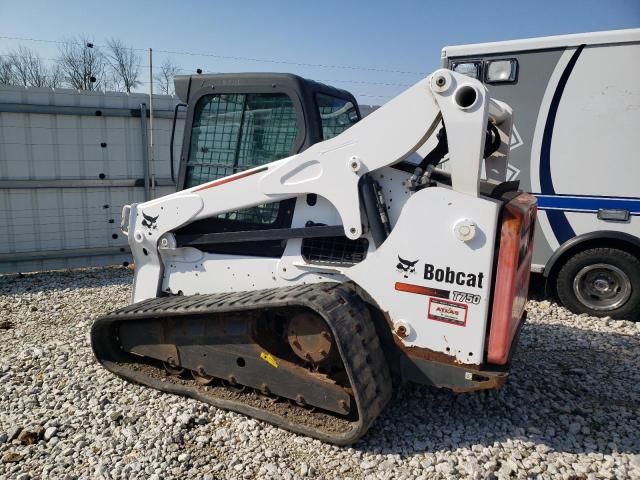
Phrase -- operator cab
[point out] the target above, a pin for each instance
(235, 122)
(239, 121)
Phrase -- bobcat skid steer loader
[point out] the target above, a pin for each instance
(294, 289)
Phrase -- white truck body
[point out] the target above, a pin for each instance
(576, 136)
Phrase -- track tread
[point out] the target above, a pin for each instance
(340, 306)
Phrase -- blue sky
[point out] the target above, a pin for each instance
(398, 36)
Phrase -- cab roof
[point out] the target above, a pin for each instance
(255, 80)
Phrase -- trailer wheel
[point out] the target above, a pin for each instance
(601, 282)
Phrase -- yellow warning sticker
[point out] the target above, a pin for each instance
(270, 359)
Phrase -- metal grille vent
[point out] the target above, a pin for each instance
(334, 250)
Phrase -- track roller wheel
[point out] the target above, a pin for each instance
(201, 377)
(231, 384)
(172, 368)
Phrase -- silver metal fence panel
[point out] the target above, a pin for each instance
(69, 161)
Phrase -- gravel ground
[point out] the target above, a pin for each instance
(569, 410)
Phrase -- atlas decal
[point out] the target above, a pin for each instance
(449, 275)
(448, 312)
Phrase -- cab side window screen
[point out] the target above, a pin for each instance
(336, 115)
(236, 132)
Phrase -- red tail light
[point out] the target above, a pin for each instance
(512, 275)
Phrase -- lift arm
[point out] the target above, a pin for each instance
(331, 169)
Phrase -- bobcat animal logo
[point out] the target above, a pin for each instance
(149, 222)
(406, 267)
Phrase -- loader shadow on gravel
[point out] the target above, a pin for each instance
(571, 391)
(537, 287)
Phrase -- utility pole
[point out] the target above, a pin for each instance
(151, 158)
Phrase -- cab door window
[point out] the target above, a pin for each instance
(235, 132)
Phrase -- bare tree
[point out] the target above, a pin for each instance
(27, 68)
(6, 71)
(124, 63)
(164, 77)
(55, 78)
(82, 63)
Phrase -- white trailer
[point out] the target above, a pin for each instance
(575, 146)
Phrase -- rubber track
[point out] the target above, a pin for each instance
(339, 305)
